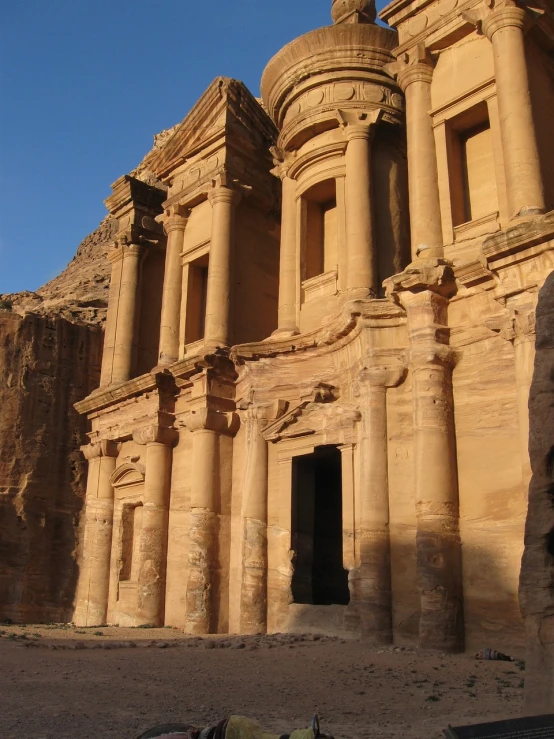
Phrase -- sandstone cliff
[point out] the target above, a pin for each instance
(46, 365)
(537, 570)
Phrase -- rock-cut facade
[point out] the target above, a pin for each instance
(313, 405)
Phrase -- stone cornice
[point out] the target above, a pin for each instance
(342, 326)
(517, 238)
(104, 397)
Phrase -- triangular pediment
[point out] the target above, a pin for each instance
(226, 107)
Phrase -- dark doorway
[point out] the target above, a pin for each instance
(319, 576)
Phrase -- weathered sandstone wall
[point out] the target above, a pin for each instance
(537, 571)
(46, 364)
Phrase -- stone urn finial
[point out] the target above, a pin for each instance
(354, 11)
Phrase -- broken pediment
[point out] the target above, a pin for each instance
(227, 109)
(332, 419)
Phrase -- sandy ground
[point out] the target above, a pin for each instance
(103, 683)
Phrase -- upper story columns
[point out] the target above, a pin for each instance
(425, 213)
(174, 225)
(287, 319)
(120, 339)
(136, 207)
(504, 26)
(362, 272)
(218, 302)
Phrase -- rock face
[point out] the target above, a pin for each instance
(47, 364)
(537, 573)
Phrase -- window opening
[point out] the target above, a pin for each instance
(471, 164)
(320, 238)
(196, 300)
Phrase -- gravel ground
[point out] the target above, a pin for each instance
(60, 682)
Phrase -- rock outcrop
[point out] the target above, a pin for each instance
(46, 365)
(537, 572)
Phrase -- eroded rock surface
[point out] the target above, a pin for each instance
(46, 365)
(537, 573)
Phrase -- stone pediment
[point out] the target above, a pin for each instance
(227, 107)
(315, 416)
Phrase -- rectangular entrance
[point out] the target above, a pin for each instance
(319, 576)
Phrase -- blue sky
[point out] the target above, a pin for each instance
(85, 84)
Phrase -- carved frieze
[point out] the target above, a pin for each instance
(352, 94)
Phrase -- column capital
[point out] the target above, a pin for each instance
(282, 161)
(432, 354)
(101, 448)
(262, 414)
(122, 247)
(175, 218)
(358, 131)
(382, 376)
(206, 419)
(222, 194)
(420, 71)
(155, 434)
(505, 16)
(425, 275)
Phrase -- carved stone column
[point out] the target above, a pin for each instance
(94, 569)
(424, 289)
(288, 275)
(425, 214)
(374, 569)
(362, 272)
(439, 565)
(125, 339)
(206, 426)
(253, 602)
(504, 26)
(174, 225)
(153, 537)
(218, 302)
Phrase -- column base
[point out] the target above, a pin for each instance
(283, 333)
(530, 211)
